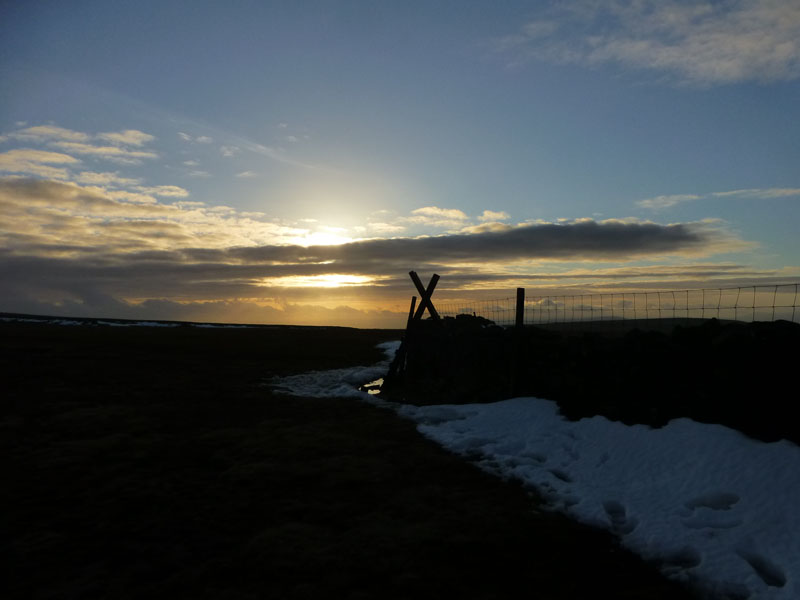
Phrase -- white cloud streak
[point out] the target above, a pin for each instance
(200, 139)
(170, 191)
(55, 135)
(131, 137)
(105, 179)
(663, 202)
(490, 215)
(112, 153)
(702, 43)
(433, 216)
(50, 132)
(760, 193)
(36, 162)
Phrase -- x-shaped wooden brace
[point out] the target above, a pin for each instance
(425, 295)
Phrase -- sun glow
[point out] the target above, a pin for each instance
(328, 236)
(322, 281)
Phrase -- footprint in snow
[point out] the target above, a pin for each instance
(683, 558)
(714, 501)
(570, 451)
(535, 456)
(559, 474)
(618, 517)
(768, 571)
(710, 511)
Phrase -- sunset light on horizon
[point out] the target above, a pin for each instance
(290, 163)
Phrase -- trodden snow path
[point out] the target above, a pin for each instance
(715, 507)
(336, 383)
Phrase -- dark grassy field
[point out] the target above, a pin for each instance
(153, 462)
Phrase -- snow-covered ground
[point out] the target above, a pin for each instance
(718, 508)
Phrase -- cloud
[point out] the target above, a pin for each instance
(165, 190)
(139, 197)
(659, 202)
(244, 239)
(760, 193)
(700, 43)
(246, 174)
(77, 142)
(582, 240)
(131, 137)
(433, 216)
(662, 202)
(105, 182)
(112, 153)
(66, 244)
(490, 215)
(277, 154)
(440, 213)
(454, 219)
(50, 132)
(200, 139)
(159, 286)
(486, 228)
(385, 228)
(39, 214)
(99, 305)
(701, 272)
(36, 162)
(235, 144)
(105, 179)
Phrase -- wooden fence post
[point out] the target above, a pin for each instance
(398, 364)
(518, 345)
(411, 313)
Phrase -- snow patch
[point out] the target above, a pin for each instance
(715, 507)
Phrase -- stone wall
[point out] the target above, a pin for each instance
(743, 375)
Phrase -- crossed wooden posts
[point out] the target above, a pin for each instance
(397, 368)
(425, 295)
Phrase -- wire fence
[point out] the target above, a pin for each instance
(752, 303)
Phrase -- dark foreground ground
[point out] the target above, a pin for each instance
(154, 463)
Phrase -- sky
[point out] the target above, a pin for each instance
(285, 162)
(717, 509)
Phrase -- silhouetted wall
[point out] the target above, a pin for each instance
(742, 375)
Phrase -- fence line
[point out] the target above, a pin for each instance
(750, 303)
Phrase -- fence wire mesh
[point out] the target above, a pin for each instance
(750, 303)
